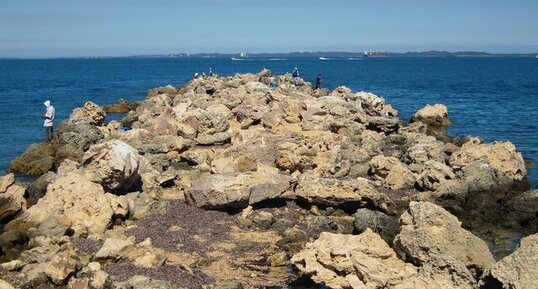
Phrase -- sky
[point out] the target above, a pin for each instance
(69, 28)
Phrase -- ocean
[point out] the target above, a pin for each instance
(494, 98)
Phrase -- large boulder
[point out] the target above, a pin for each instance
(365, 261)
(12, 199)
(434, 174)
(335, 192)
(518, 270)
(72, 204)
(36, 160)
(431, 235)
(432, 115)
(90, 112)
(238, 190)
(502, 156)
(113, 164)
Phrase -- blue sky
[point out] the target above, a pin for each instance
(56, 28)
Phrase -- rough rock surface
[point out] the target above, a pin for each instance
(517, 270)
(433, 115)
(113, 164)
(90, 112)
(430, 235)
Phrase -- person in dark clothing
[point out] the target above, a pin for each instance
(295, 76)
(318, 81)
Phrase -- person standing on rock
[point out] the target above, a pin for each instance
(295, 76)
(210, 72)
(49, 119)
(318, 81)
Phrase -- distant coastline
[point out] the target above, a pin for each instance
(329, 54)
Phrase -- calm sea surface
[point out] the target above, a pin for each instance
(495, 98)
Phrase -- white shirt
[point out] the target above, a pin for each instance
(51, 113)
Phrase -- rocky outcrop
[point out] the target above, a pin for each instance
(430, 236)
(517, 270)
(72, 204)
(364, 261)
(90, 112)
(432, 115)
(238, 190)
(12, 199)
(113, 164)
(122, 106)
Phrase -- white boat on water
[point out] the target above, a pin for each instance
(323, 58)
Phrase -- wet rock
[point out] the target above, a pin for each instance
(113, 164)
(430, 235)
(36, 160)
(432, 115)
(90, 112)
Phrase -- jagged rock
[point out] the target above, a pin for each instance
(211, 139)
(72, 202)
(501, 156)
(12, 199)
(334, 192)
(122, 106)
(434, 174)
(518, 270)
(432, 115)
(364, 261)
(238, 190)
(61, 266)
(90, 112)
(91, 277)
(430, 235)
(384, 225)
(113, 164)
(36, 160)
(112, 249)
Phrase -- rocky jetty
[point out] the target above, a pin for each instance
(236, 181)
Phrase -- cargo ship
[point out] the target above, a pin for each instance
(375, 54)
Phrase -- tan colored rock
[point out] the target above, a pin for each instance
(518, 270)
(434, 174)
(400, 177)
(238, 190)
(61, 266)
(113, 164)
(430, 235)
(5, 285)
(6, 181)
(90, 112)
(502, 156)
(433, 115)
(12, 201)
(364, 261)
(71, 202)
(332, 191)
(380, 166)
(112, 249)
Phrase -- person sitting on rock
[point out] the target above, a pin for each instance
(318, 81)
(49, 118)
(295, 76)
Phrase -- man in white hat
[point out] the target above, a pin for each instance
(49, 119)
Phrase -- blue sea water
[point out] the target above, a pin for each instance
(495, 98)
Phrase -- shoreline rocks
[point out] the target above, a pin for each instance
(228, 179)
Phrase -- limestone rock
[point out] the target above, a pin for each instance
(430, 235)
(5, 285)
(502, 156)
(434, 174)
(90, 112)
(384, 225)
(237, 190)
(6, 181)
(334, 192)
(518, 270)
(36, 160)
(112, 248)
(12, 199)
(432, 115)
(113, 164)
